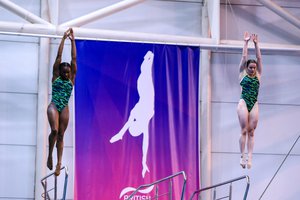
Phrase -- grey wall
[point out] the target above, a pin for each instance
(279, 94)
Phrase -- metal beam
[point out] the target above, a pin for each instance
(39, 30)
(22, 12)
(53, 6)
(238, 45)
(281, 12)
(101, 13)
(213, 7)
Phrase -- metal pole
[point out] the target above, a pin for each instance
(45, 190)
(40, 30)
(170, 190)
(230, 191)
(55, 187)
(205, 144)
(215, 194)
(213, 7)
(66, 183)
(156, 192)
(247, 188)
(53, 6)
(183, 187)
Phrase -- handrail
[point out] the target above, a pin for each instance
(224, 183)
(162, 180)
(44, 184)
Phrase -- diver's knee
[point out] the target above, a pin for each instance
(244, 131)
(54, 132)
(60, 137)
(251, 132)
(134, 131)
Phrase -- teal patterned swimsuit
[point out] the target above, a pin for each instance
(250, 87)
(61, 92)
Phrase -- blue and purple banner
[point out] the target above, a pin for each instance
(136, 115)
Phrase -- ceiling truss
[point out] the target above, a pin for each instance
(39, 27)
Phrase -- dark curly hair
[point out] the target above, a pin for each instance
(64, 64)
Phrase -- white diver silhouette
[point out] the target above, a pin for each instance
(143, 111)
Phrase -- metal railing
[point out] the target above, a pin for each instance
(169, 193)
(46, 195)
(230, 188)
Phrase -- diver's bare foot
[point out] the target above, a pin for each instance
(50, 163)
(243, 161)
(249, 162)
(115, 138)
(145, 169)
(57, 169)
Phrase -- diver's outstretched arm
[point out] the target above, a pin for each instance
(245, 51)
(258, 53)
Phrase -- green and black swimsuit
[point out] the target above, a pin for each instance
(61, 92)
(250, 87)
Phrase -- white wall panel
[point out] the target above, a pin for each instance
(164, 17)
(18, 118)
(225, 128)
(18, 67)
(270, 27)
(280, 80)
(32, 6)
(18, 104)
(225, 72)
(70, 162)
(17, 171)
